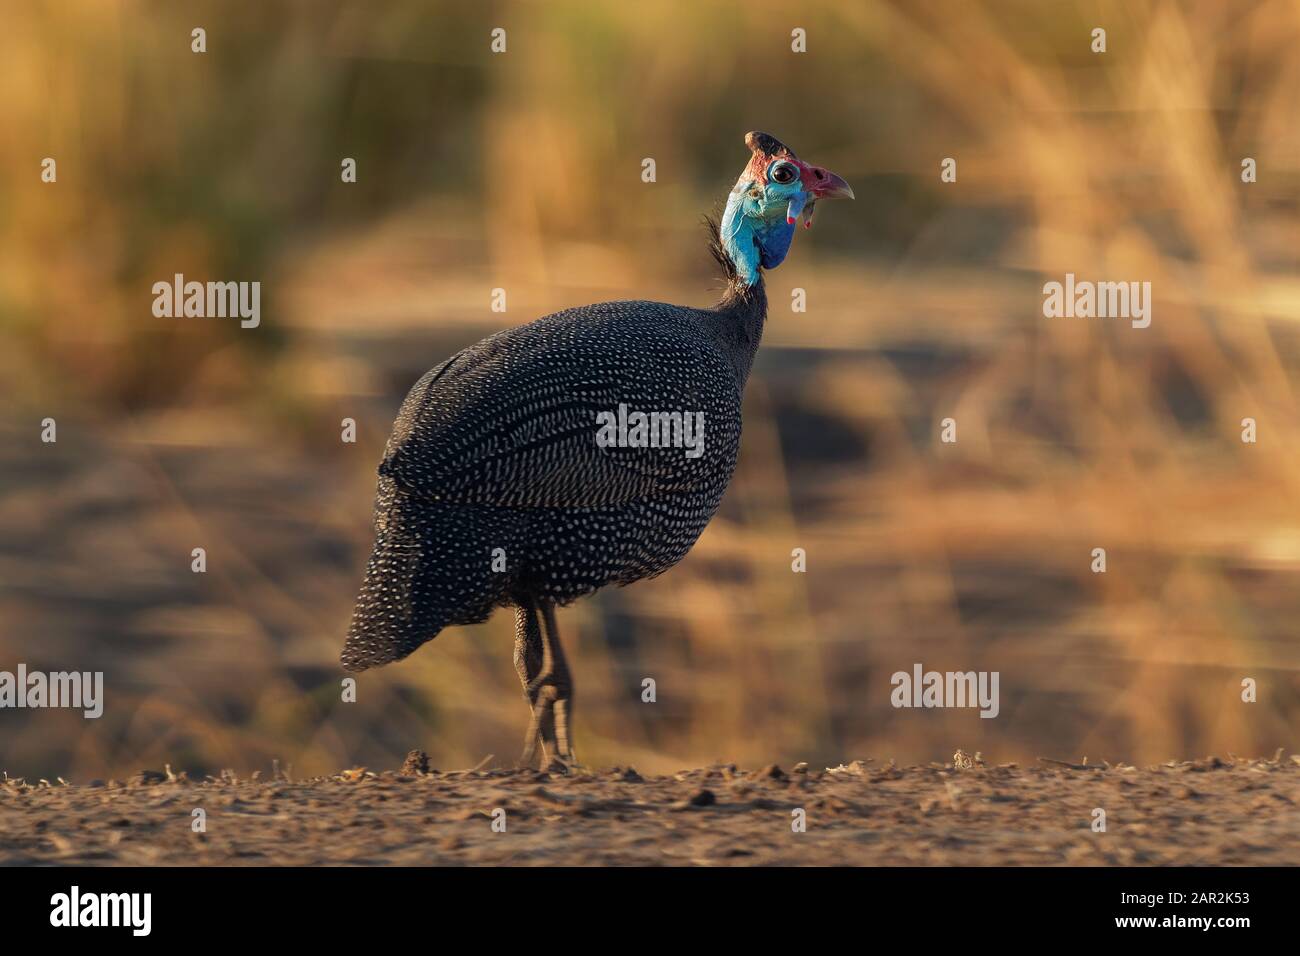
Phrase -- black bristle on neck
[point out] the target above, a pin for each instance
(711, 225)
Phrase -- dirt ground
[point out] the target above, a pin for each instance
(1207, 812)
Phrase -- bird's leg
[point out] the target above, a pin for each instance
(528, 664)
(550, 691)
(555, 670)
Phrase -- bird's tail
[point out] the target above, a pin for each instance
(389, 622)
(431, 567)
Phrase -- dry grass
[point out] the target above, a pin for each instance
(522, 172)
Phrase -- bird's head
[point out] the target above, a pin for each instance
(775, 187)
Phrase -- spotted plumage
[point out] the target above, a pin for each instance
(496, 490)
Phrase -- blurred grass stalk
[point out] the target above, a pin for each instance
(523, 172)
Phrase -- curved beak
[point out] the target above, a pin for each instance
(824, 184)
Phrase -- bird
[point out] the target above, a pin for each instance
(588, 448)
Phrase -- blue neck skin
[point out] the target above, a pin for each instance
(755, 230)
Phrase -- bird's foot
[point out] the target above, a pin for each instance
(550, 697)
(558, 765)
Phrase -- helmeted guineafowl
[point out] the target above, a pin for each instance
(590, 447)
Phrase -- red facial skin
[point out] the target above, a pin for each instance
(756, 171)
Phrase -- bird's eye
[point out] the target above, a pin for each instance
(783, 173)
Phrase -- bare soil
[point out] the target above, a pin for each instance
(1200, 812)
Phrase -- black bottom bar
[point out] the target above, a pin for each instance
(340, 905)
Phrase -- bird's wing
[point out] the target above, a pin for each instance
(513, 420)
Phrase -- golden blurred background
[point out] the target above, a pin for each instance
(522, 170)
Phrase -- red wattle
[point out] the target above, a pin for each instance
(789, 221)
